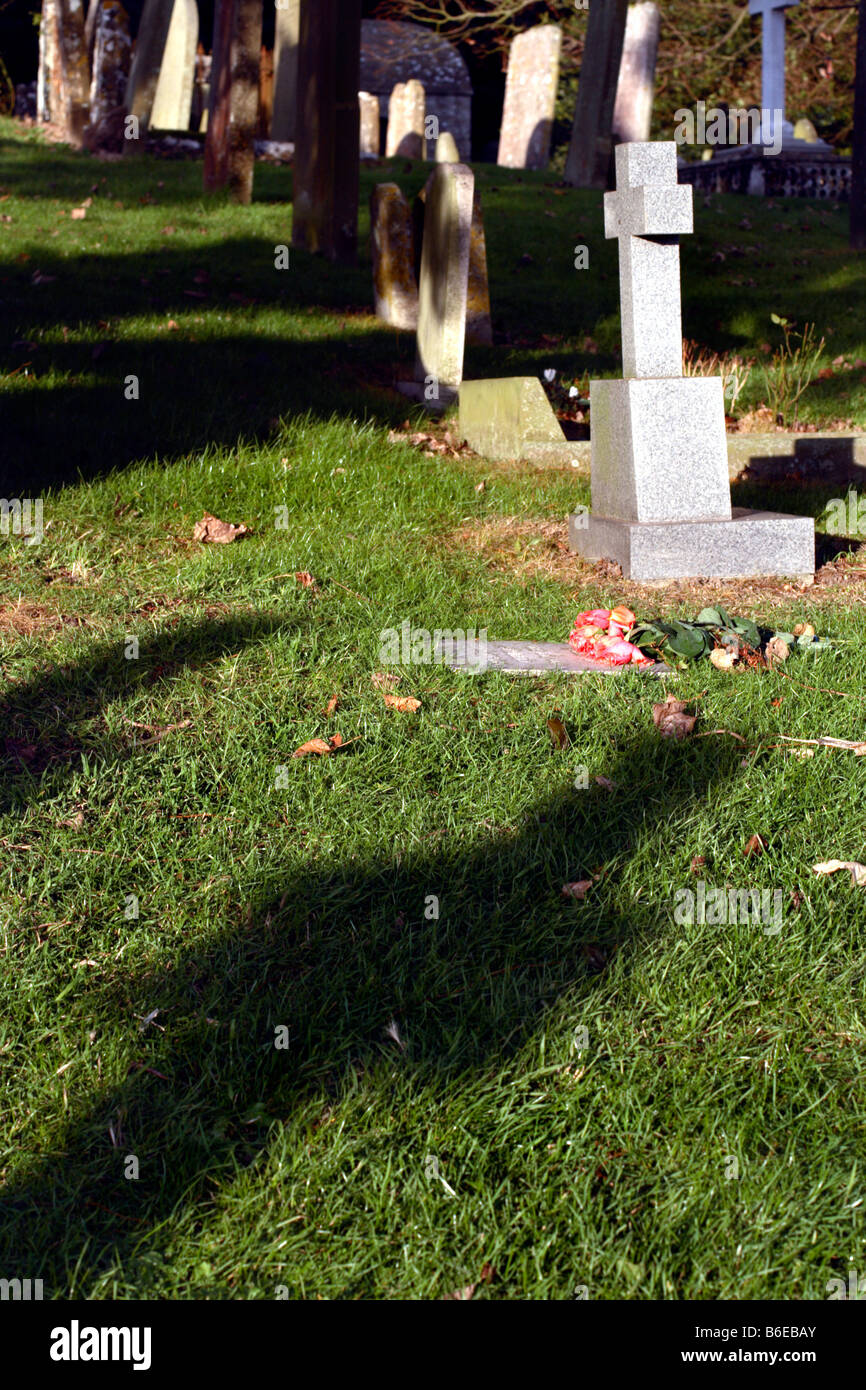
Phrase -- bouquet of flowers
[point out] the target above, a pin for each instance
(601, 633)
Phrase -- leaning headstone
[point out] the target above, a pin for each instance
(369, 132)
(446, 149)
(632, 112)
(443, 287)
(288, 26)
(172, 102)
(325, 210)
(111, 59)
(406, 112)
(510, 418)
(588, 162)
(395, 288)
(661, 502)
(146, 63)
(530, 98)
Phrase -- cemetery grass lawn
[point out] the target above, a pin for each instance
(704, 1137)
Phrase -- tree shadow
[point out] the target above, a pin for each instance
(332, 953)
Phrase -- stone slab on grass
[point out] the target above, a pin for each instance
(529, 659)
(511, 418)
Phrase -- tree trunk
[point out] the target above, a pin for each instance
(858, 163)
(74, 68)
(589, 153)
(229, 154)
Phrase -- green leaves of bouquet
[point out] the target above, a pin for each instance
(712, 627)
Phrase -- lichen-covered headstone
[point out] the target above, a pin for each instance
(530, 98)
(145, 66)
(479, 328)
(172, 100)
(395, 288)
(633, 109)
(446, 149)
(369, 131)
(406, 112)
(111, 59)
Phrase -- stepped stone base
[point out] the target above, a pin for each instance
(750, 544)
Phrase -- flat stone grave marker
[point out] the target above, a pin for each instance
(531, 659)
(511, 418)
(530, 98)
(661, 502)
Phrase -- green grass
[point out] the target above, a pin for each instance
(299, 894)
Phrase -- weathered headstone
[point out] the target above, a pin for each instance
(72, 70)
(395, 288)
(111, 59)
(443, 287)
(368, 142)
(633, 109)
(530, 98)
(229, 152)
(288, 27)
(406, 112)
(146, 63)
(589, 150)
(509, 418)
(48, 76)
(661, 504)
(325, 210)
(446, 149)
(172, 101)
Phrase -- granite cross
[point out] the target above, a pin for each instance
(647, 213)
(772, 54)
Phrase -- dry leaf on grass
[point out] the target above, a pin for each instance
(488, 1272)
(558, 733)
(404, 704)
(578, 890)
(832, 866)
(777, 651)
(606, 783)
(76, 823)
(331, 706)
(756, 844)
(461, 1295)
(78, 214)
(305, 579)
(698, 863)
(210, 528)
(721, 659)
(322, 746)
(671, 719)
(385, 680)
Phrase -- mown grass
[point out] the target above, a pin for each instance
(414, 880)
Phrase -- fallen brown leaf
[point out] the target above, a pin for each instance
(461, 1295)
(577, 890)
(609, 786)
(210, 528)
(777, 651)
(671, 719)
(558, 733)
(698, 862)
(756, 844)
(78, 214)
(314, 745)
(404, 704)
(331, 706)
(488, 1272)
(305, 579)
(385, 680)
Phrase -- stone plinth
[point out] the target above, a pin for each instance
(511, 418)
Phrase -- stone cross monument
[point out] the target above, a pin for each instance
(661, 501)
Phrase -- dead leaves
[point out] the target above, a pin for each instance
(722, 659)
(777, 651)
(558, 733)
(756, 844)
(671, 718)
(429, 444)
(404, 704)
(832, 866)
(210, 528)
(321, 747)
(385, 680)
(577, 891)
(306, 580)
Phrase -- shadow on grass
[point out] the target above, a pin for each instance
(332, 953)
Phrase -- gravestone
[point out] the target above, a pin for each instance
(286, 35)
(48, 75)
(589, 151)
(772, 14)
(510, 418)
(369, 132)
(530, 98)
(446, 149)
(111, 59)
(406, 112)
(172, 101)
(633, 109)
(661, 504)
(70, 74)
(479, 327)
(395, 288)
(229, 151)
(325, 212)
(145, 66)
(443, 287)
